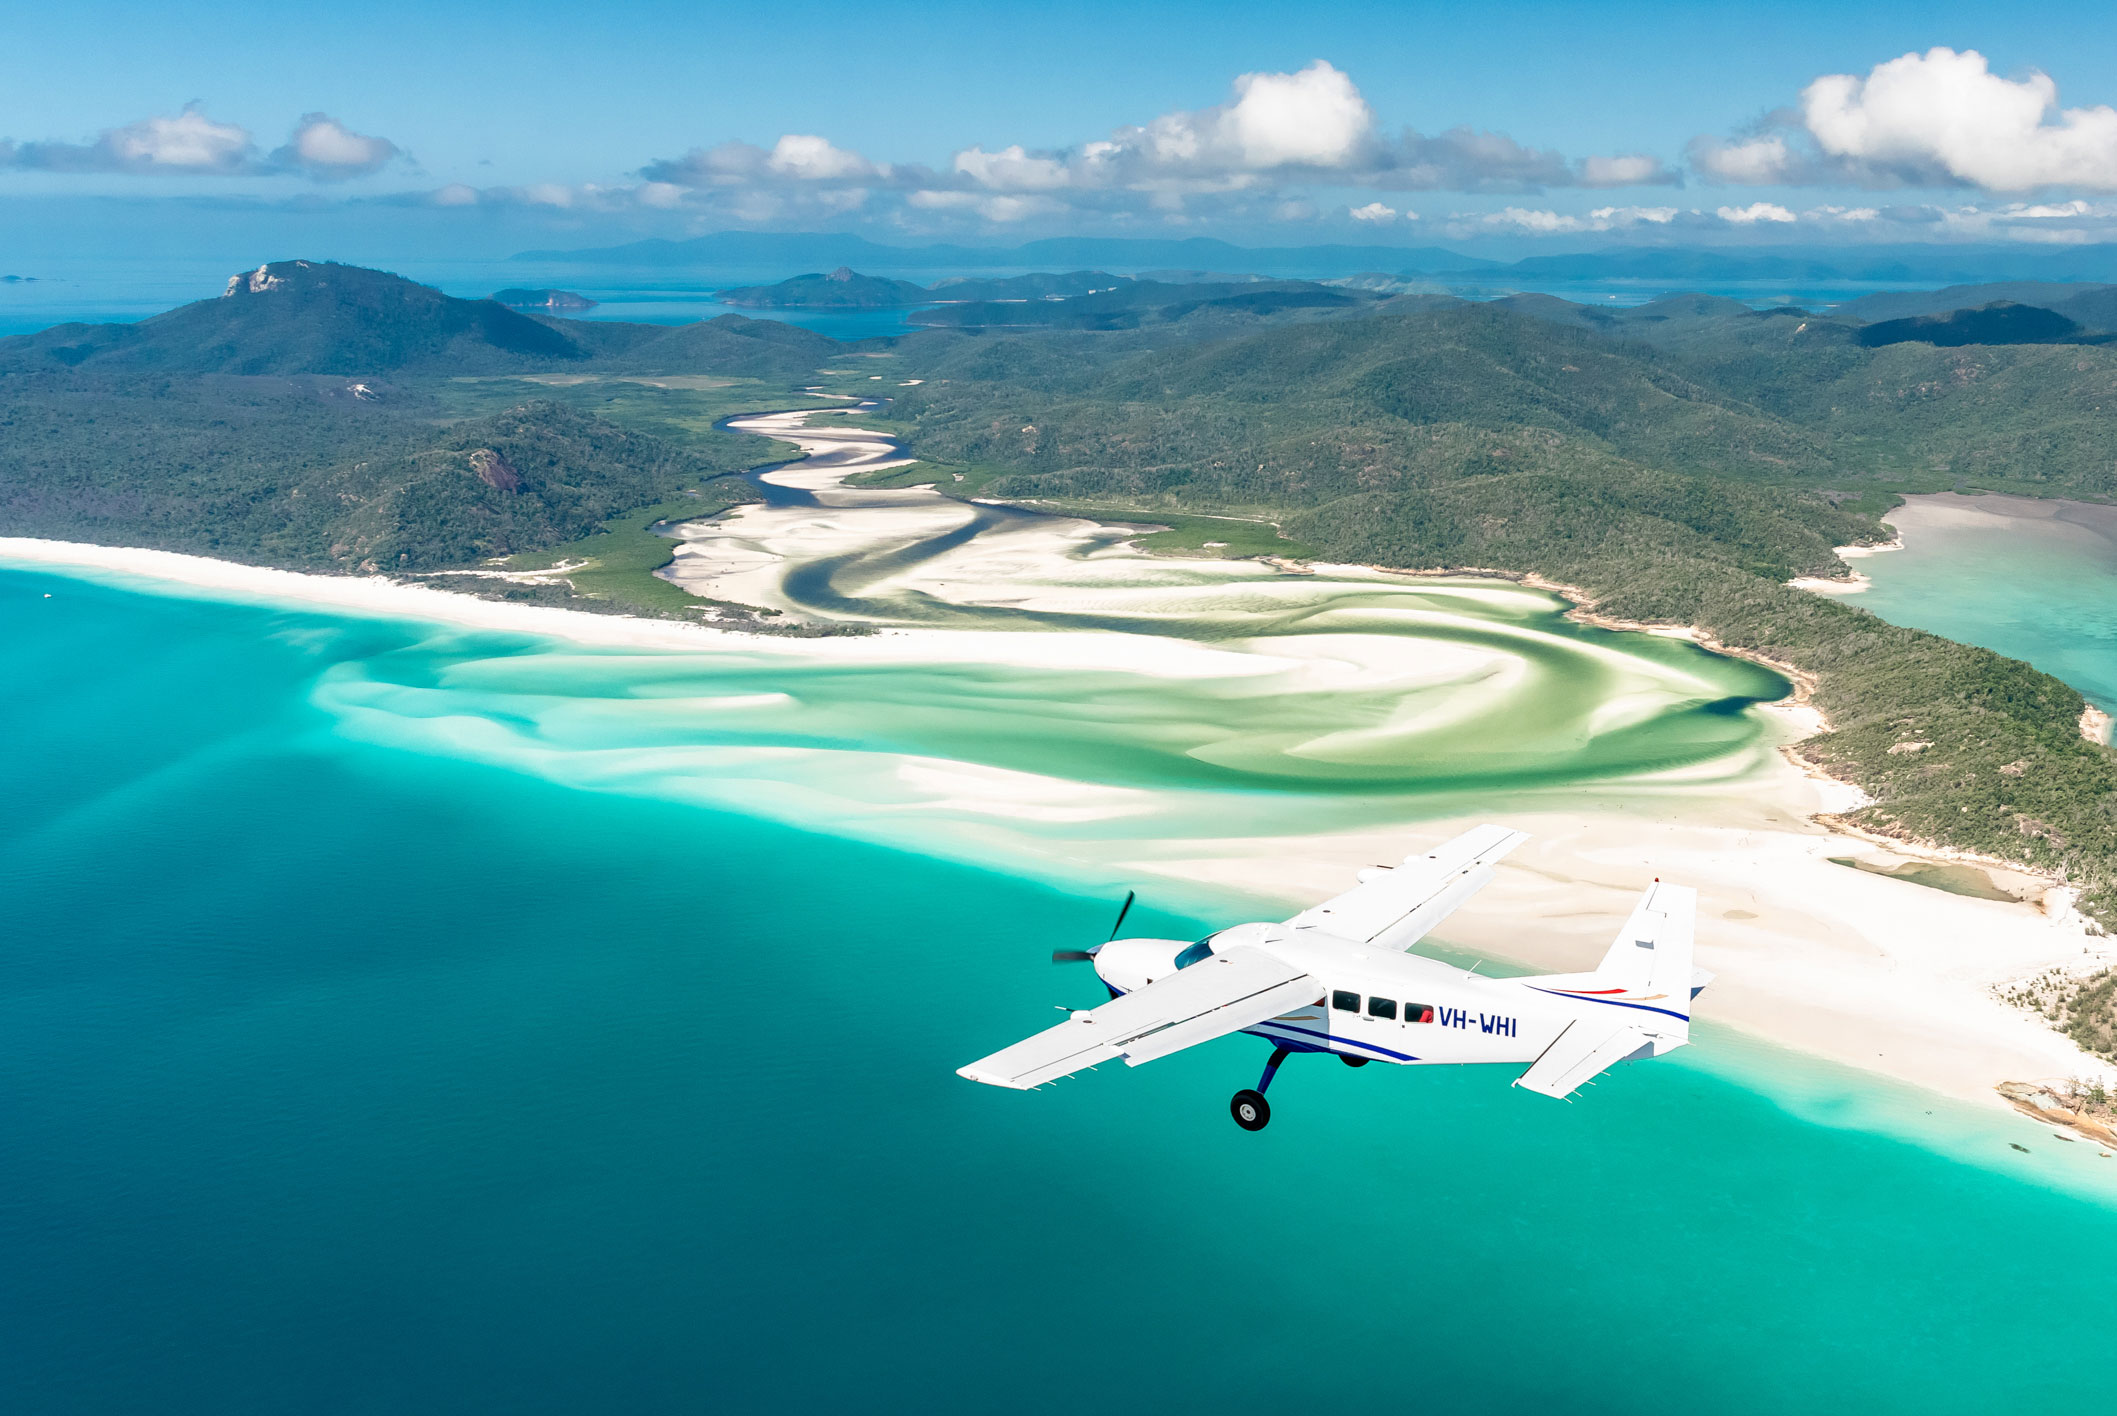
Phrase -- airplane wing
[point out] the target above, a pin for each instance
(1219, 995)
(1393, 907)
(1579, 1054)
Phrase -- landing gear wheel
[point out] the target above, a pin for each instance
(1351, 1061)
(1252, 1112)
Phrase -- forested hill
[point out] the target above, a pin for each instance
(268, 472)
(315, 317)
(327, 417)
(1680, 463)
(842, 289)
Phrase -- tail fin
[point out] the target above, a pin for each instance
(1652, 952)
(1651, 955)
(1648, 980)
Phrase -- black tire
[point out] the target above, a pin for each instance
(1250, 1110)
(1351, 1061)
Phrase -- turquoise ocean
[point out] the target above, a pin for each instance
(2035, 581)
(341, 1077)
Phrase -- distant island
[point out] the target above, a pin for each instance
(843, 289)
(519, 299)
(1672, 267)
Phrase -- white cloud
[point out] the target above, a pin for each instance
(191, 144)
(326, 149)
(1311, 125)
(1542, 222)
(1753, 213)
(1012, 169)
(994, 207)
(1373, 212)
(1313, 118)
(1628, 170)
(1947, 112)
(2044, 212)
(1750, 162)
(1609, 216)
(1261, 155)
(1941, 118)
(797, 158)
(813, 159)
(188, 143)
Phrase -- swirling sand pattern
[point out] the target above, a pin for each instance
(1079, 688)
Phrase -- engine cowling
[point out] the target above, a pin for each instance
(1127, 964)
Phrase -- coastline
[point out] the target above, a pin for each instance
(1881, 975)
(1850, 965)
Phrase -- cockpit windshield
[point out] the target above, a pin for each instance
(1203, 949)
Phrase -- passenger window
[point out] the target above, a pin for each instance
(1418, 1013)
(1345, 1002)
(1381, 1007)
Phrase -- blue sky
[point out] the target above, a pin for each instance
(1412, 124)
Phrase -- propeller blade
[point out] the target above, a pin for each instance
(1072, 956)
(1123, 910)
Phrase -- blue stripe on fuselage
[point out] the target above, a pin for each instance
(1615, 1003)
(1327, 1037)
(1116, 992)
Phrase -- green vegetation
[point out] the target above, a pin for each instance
(2084, 1009)
(842, 289)
(1679, 465)
(622, 556)
(1133, 303)
(1040, 286)
(961, 480)
(2001, 322)
(301, 473)
(305, 318)
(1678, 462)
(1182, 533)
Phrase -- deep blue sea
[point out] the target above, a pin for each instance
(336, 1077)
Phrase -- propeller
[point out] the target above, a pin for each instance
(1082, 956)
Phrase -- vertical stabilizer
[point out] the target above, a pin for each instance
(1652, 953)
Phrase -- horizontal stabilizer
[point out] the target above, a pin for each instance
(1579, 1054)
(1221, 994)
(1393, 907)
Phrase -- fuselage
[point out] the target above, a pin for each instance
(1374, 1003)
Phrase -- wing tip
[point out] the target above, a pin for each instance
(974, 1073)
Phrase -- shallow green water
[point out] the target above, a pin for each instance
(357, 1060)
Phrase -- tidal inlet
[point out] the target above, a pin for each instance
(1038, 693)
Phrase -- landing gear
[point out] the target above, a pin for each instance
(1251, 1111)
(1351, 1061)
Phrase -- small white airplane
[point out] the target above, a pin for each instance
(1338, 978)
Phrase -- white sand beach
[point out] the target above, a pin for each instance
(1880, 974)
